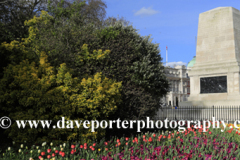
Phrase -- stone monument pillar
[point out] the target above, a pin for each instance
(214, 79)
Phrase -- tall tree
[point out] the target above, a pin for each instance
(38, 90)
(133, 60)
(13, 15)
(66, 30)
(16, 12)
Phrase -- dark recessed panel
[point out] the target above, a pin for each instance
(213, 84)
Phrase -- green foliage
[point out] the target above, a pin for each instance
(36, 92)
(63, 34)
(12, 18)
(60, 11)
(148, 71)
(13, 15)
(108, 33)
(135, 61)
(50, 92)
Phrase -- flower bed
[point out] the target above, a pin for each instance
(191, 144)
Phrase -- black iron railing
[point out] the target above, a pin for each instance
(226, 113)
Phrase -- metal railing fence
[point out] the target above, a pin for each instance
(226, 113)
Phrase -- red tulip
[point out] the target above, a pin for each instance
(42, 153)
(48, 157)
(72, 146)
(48, 150)
(53, 155)
(150, 139)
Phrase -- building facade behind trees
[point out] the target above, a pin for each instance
(179, 80)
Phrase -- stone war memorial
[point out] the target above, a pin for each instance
(214, 78)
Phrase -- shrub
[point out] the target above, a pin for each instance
(30, 91)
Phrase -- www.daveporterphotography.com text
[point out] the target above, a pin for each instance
(125, 124)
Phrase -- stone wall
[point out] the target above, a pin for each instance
(217, 54)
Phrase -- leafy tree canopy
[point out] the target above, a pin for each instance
(69, 36)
